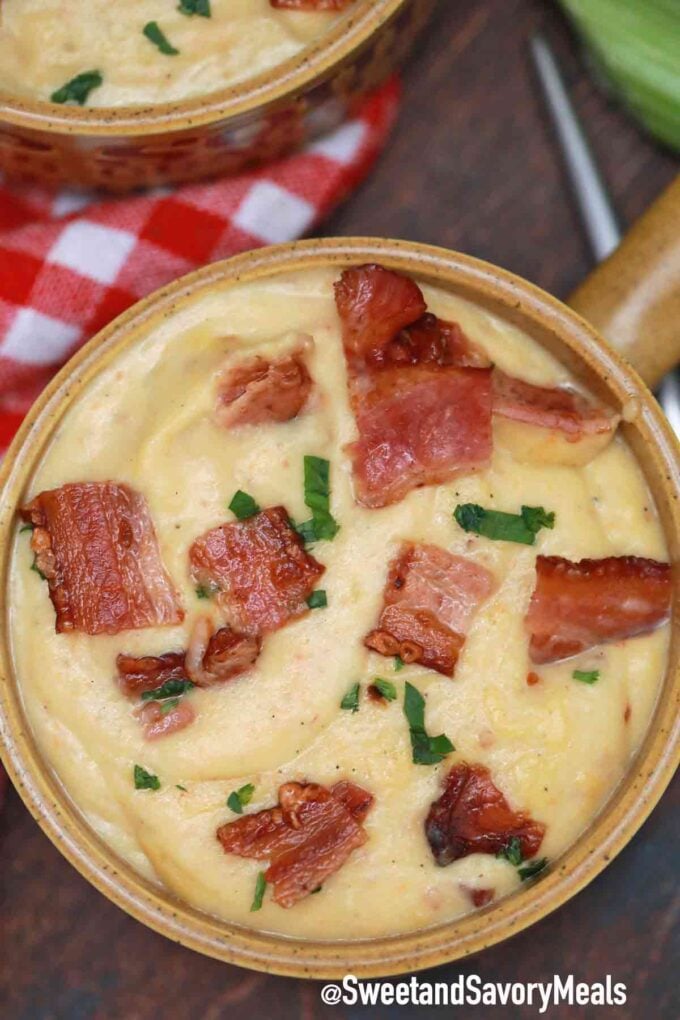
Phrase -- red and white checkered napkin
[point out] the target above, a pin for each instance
(71, 261)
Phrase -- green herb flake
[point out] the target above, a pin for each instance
(154, 34)
(78, 89)
(318, 599)
(495, 524)
(260, 886)
(170, 689)
(305, 531)
(167, 706)
(318, 889)
(386, 688)
(243, 506)
(534, 868)
(145, 780)
(398, 664)
(26, 527)
(182, 788)
(190, 7)
(202, 592)
(318, 498)
(36, 568)
(237, 799)
(426, 750)
(512, 852)
(350, 702)
(586, 676)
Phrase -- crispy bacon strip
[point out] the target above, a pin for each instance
(95, 544)
(473, 817)
(146, 673)
(306, 838)
(553, 408)
(258, 390)
(578, 605)
(430, 599)
(214, 657)
(259, 567)
(419, 389)
(158, 722)
(478, 897)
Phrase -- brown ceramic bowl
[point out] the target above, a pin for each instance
(249, 123)
(577, 345)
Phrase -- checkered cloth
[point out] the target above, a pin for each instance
(71, 261)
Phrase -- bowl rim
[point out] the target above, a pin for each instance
(621, 816)
(282, 82)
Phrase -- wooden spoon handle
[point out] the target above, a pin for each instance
(633, 297)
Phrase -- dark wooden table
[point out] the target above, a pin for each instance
(471, 166)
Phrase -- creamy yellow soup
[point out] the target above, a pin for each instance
(556, 750)
(46, 43)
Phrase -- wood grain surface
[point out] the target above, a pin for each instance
(472, 166)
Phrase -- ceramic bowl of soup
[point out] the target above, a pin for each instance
(338, 629)
(130, 95)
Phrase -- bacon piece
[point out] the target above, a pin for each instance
(478, 897)
(306, 838)
(432, 341)
(533, 679)
(261, 570)
(137, 675)
(216, 657)
(418, 425)
(159, 721)
(473, 817)
(311, 5)
(95, 544)
(578, 605)
(259, 390)
(374, 303)
(430, 599)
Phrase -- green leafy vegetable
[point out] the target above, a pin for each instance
(635, 46)
(532, 869)
(426, 750)
(145, 780)
(586, 676)
(154, 34)
(182, 788)
(243, 506)
(318, 499)
(238, 799)
(260, 886)
(167, 706)
(521, 528)
(350, 702)
(202, 592)
(78, 89)
(512, 852)
(318, 599)
(398, 664)
(386, 688)
(26, 527)
(200, 7)
(34, 566)
(170, 689)
(306, 531)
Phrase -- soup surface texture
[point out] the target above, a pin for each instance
(44, 44)
(555, 745)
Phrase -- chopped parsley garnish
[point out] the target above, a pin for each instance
(306, 531)
(350, 702)
(586, 676)
(34, 566)
(202, 592)
(243, 506)
(154, 34)
(398, 664)
(182, 788)
(237, 799)
(426, 750)
(145, 780)
(386, 688)
(532, 869)
(260, 886)
(78, 89)
(200, 7)
(522, 527)
(170, 689)
(167, 706)
(512, 852)
(318, 599)
(318, 498)
(318, 889)
(26, 527)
